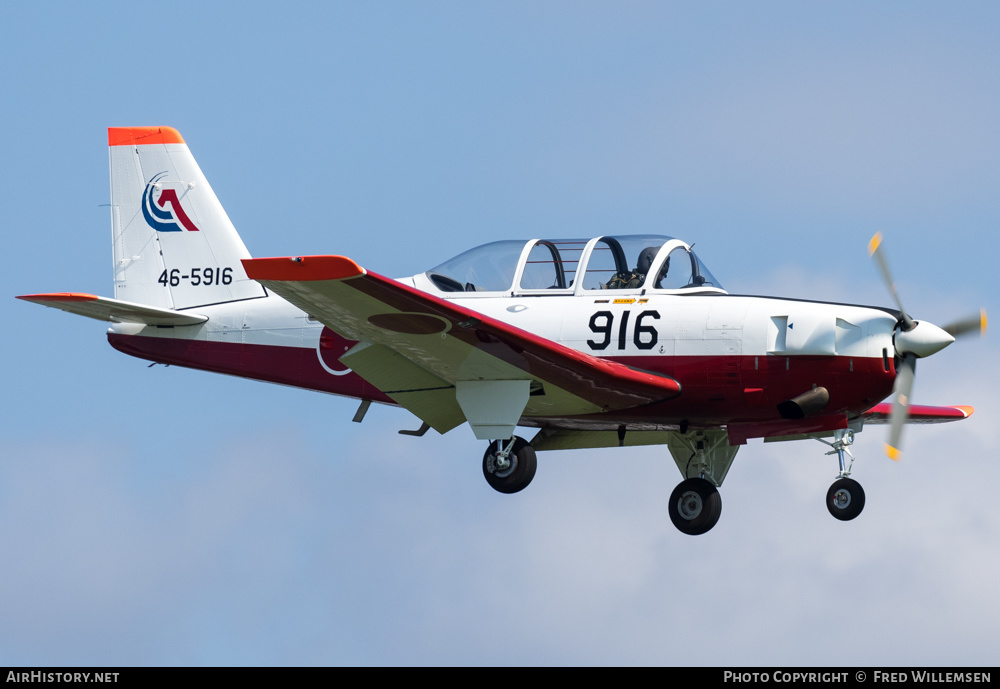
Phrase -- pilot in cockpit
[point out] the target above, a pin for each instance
(636, 278)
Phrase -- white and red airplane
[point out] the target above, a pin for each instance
(603, 342)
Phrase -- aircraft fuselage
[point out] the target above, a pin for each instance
(736, 357)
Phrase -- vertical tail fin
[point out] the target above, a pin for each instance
(174, 245)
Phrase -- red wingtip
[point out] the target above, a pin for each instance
(138, 136)
(302, 268)
(59, 296)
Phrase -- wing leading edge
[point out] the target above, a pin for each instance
(880, 413)
(423, 351)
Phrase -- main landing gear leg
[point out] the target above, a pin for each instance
(695, 506)
(704, 458)
(509, 465)
(846, 497)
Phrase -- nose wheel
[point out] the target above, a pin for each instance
(695, 506)
(846, 497)
(509, 465)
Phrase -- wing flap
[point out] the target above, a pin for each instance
(430, 398)
(113, 310)
(567, 439)
(453, 342)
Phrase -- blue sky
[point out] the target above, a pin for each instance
(164, 516)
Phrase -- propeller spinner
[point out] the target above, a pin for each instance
(913, 340)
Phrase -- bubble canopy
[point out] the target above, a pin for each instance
(572, 266)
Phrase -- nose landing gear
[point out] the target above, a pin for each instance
(846, 497)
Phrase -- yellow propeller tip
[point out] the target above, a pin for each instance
(982, 321)
(892, 453)
(873, 244)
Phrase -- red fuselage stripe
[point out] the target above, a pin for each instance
(296, 366)
(716, 390)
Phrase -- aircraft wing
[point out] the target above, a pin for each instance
(880, 413)
(422, 351)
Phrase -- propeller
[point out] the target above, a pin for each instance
(972, 324)
(913, 340)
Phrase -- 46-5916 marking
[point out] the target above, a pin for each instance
(198, 277)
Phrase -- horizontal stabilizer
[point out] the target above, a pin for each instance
(113, 310)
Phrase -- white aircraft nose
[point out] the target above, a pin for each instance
(922, 340)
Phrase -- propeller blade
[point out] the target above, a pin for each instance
(972, 324)
(874, 252)
(911, 341)
(901, 390)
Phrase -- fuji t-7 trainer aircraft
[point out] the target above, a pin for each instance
(602, 342)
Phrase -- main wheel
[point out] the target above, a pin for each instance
(520, 468)
(845, 499)
(695, 506)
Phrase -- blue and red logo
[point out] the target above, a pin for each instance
(156, 213)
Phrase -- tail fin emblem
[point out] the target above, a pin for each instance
(156, 213)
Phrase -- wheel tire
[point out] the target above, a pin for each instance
(518, 475)
(695, 506)
(845, 499)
